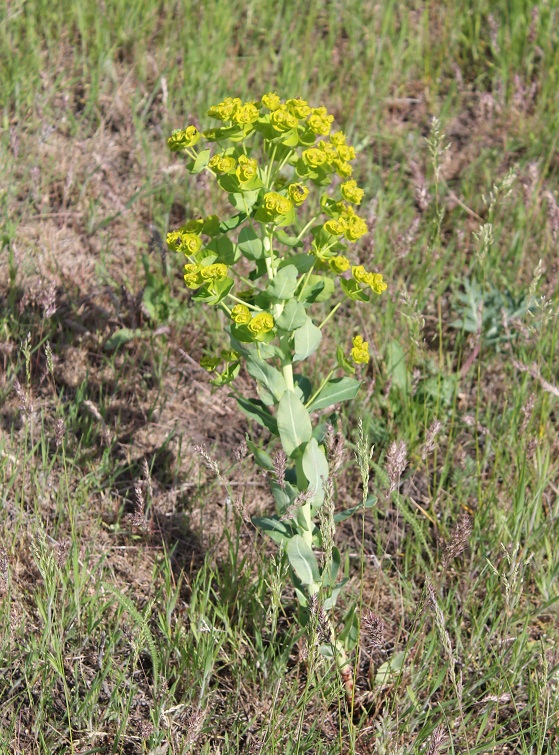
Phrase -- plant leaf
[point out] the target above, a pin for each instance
(343, 515)
(315, 467)
(338, 389)
(284, 238)
(302, 560)
(120, 337)
(284, 284)
(391, 668)
(273, 527)
(224, 249)
(293, 422)
(250, 244)
(353, 290)
(267, 375)
(306, 340)
(293, 316)
(262, 458)
(257, 411)
(202, 159)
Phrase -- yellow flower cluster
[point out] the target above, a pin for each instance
(223, 163)
(277, 205)
(348, 224)
(351, 192)
(374, 280)
(297, 193)
(360, 350)
(259, 324)
(320, 122)
(282, 120)
(180, 140)
(339, 264)
(225, 110)
(184, 241)
(334, 155)
(241, 314)
(247, 169)
(197, 275)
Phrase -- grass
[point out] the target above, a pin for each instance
(140, 612)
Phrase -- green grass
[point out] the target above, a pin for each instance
(177, 632)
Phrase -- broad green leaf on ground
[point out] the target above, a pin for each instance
(339, 389)
(302, 560)
(306, 340)
(293, 422)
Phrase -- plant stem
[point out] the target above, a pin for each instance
(311, 221)
(287, 369)
(333, 311)
(250, 306)
(315, 394)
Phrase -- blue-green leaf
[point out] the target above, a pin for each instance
(293, 422)
(284, 284)
(202, 159)
(338, 389)
(273, 527)
(302, 560)
(315, 468)
(224, 249)
(343, 515)
(262, 458)
(293, 316)
(306, 340)
(257, 411)
(250, 244)
(353, 290)
(267, 375)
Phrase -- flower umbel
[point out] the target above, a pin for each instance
(180, 140)
(360, 350)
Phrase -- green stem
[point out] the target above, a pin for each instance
(287, 369)
(270, 164)
(305, 281)
(240, 301)
(315, 394)
(311, 221)
(334, 310)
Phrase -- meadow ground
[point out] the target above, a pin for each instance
(140, 613)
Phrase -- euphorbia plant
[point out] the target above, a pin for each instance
(270, 267)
